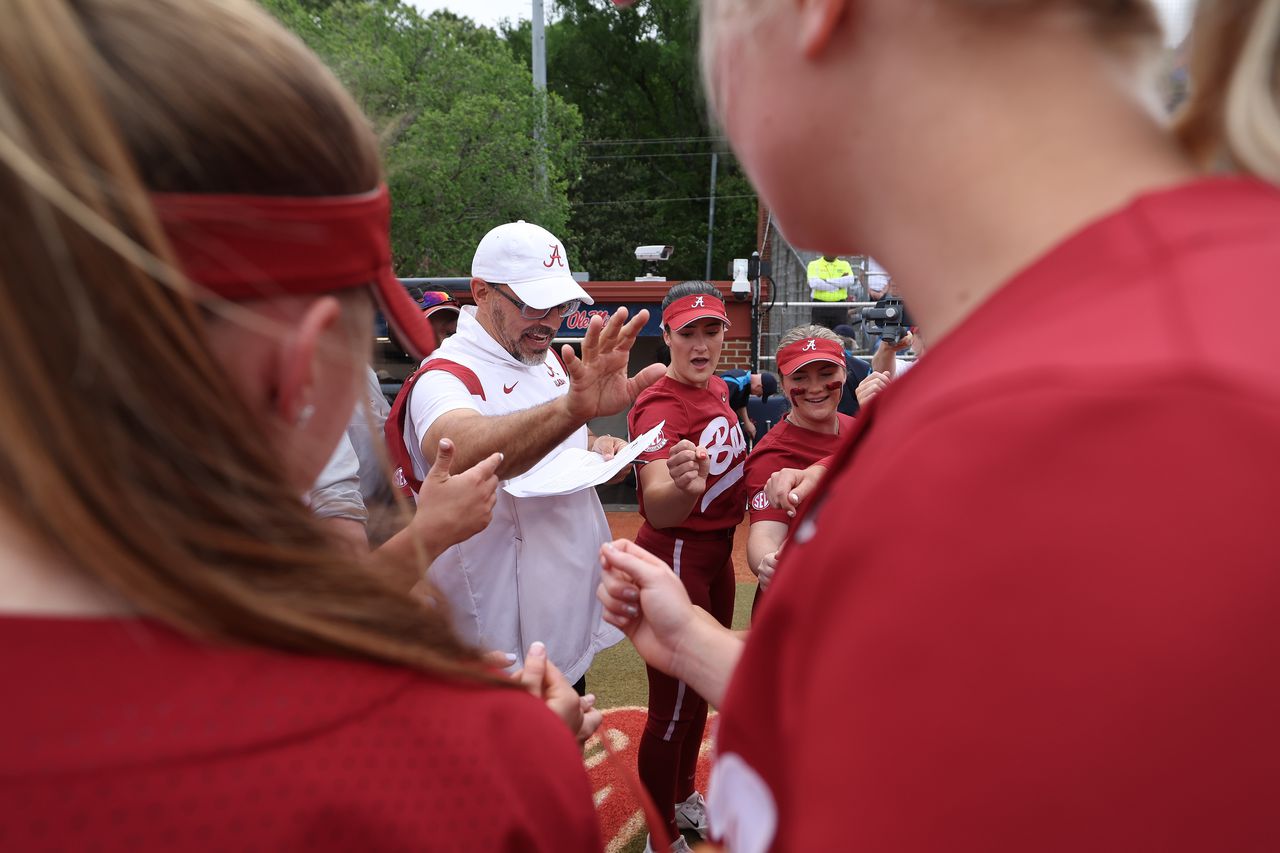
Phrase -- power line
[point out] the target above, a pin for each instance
(659, 200)
(657, 140)
(657, 154)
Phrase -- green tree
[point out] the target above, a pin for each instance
(633, 75)
(456, 112)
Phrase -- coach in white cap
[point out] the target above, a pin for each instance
(497, 386)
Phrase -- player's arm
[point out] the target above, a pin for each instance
(645, 599)
(788, 487)
(348, 534)
(672, 486)
(335, 498)
(764, 538)
(885, 358)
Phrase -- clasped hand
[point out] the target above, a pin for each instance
(689, 466)
(644, 599)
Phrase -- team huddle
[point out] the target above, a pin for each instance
(1024, 600)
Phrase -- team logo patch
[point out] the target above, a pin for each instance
(811, 345)
(699, 302)
(760, 501)
(398, 479)
(657, 444)
(555, 259)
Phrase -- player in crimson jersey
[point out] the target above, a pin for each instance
(1059, 647)
(692, 493)
(811, 363)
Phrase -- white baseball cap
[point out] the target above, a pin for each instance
(532, 261)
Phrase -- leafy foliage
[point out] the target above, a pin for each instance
(457, 114)
(633, 74)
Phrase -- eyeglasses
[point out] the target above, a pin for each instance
(529, 313)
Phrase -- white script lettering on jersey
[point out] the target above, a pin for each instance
(698, 303)
(723, 443)
(810, 345)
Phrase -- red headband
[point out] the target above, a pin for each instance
(695, 306)
(257, 247)
(796, 355)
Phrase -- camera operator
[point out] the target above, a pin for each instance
(887, 365)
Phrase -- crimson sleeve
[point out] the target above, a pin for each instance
(760, 465)
(647, 413)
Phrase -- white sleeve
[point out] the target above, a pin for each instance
(842, 281)
(336, 492)
(434, 394)
(821, 284)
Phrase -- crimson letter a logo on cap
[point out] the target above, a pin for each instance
(555, 257)
(810, 345)
(698, 303)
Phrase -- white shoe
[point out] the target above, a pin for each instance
(677, 846)
(692, 814)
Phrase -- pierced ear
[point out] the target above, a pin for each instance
(296, 370)
(818, 22)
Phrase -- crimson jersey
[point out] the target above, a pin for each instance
(1065, 639)
(122, 735)
(787, 446)
(703, 416)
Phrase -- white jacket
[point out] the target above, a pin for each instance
(532, 573)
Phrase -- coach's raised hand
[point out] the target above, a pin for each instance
(598, 381)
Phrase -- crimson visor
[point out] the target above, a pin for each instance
(241, 247)
(796, 355)
(696, 306)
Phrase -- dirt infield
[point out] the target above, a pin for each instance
(625, 524)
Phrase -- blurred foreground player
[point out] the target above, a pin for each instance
(1059, 647)
(199, 668)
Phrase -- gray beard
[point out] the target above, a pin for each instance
(530, 360)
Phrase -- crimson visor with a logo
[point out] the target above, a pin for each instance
(796, 355)
(696, 306)
(242, 247)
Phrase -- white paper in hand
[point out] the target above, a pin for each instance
(574, 469)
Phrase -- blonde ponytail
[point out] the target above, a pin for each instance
(1232, 119)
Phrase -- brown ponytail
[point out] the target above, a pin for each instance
(1231, 119)
(123, 444)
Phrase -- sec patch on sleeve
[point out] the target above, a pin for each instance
(659, 442)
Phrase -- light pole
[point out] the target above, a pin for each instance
(540, 86)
